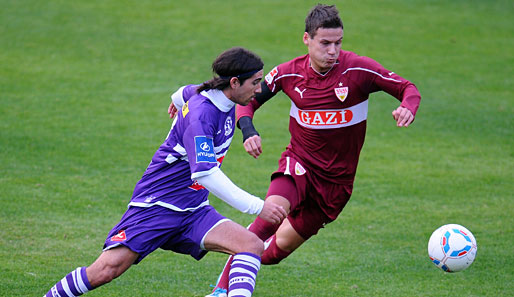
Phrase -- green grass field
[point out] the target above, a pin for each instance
(84, 90)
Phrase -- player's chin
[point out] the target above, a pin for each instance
(330, 63)
(246, 102)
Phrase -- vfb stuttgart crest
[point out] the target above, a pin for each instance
(341, 93)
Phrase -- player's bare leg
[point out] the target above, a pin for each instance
(109, 265)
(263, 230)
(282, 244)
(277, 247)
(231, 238)
(246, 248)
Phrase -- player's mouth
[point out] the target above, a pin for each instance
(249, 99)
(331, 61)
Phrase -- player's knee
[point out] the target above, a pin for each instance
(253, 244)
(287, 246)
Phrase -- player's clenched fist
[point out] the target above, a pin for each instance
(172, 110)
(403, 116)
(253, 146)
(272, 212)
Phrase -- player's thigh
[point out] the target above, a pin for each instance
(232, 238)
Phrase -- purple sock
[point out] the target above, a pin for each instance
(243, 273)
(73, 284)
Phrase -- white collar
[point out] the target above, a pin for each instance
(219, 99)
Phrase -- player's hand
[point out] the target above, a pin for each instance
(253, 146)
(272, 212)
(172, 110)
(403, 117)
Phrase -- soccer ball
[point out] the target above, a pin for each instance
(452, 248)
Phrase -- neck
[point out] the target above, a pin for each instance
(320, 71)
(228, 94)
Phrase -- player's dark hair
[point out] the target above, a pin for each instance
(322, 16)
(235, 62)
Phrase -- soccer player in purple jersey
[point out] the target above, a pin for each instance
(169, 208)
(329, 90)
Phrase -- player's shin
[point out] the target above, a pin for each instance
(263, 230)
(272, 253)
(222, 282)
(73, 284)
(243, 272)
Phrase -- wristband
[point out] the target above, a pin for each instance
(247, 128)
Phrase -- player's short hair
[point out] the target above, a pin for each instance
(322, 16)
(235, 62)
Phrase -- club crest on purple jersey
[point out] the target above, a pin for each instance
(228, 126)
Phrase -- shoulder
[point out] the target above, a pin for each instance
(201, 108)
(295, 64)
(350, 59)
(294, 67)
(184, 93)
(189, 91)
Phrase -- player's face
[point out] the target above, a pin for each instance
(243, 93)
(324, 48)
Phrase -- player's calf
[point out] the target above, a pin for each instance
(272, 253)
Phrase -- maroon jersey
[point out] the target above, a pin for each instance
(329, 111)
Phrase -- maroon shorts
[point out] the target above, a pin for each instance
(315, 202)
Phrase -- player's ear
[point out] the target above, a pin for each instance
(234, 82)
(306, 38)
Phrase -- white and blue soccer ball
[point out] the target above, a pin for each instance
(452, 248)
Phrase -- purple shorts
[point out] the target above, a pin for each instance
(143, 230)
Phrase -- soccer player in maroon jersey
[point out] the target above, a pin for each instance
(329, 90)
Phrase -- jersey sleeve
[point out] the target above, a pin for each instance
(381, 79)
(221, 186)
(272, 79)
(182, 95)
(198, 140)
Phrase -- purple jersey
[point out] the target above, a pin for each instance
(196, 144)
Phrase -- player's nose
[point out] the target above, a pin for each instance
(332, 49)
